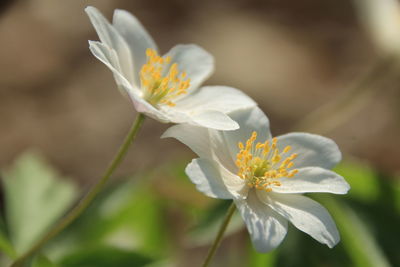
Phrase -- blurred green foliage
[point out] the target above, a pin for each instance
(35, 196)
(42, 261)
(157, 218)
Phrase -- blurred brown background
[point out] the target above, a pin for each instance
(290, 56)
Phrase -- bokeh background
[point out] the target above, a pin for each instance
(292, 57)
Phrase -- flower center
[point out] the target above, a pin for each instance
(162, 81)
(262, 164)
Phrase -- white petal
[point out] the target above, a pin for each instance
(224, 143)
(110, 58)
(209, 118)
(195, 61)
(313, 179)
(236, 186)
(213, 120)
(221, 150)
(136, 36)
(266, 227)
(305, 214)
(195, 137)
(220, 98)
(208, 105)
(207, 177)
(312, 150)
(204, 142)
(111, 37)
(249, 120)
(145, 107)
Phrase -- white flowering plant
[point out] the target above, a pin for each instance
(166, 88)
(274, 183)
(266, 176)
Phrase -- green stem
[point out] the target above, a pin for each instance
(218, 238)
(90, 196)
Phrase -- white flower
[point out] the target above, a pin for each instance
(266, 176)
(164, 88)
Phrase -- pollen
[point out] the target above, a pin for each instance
(162, 82)
(261, 165)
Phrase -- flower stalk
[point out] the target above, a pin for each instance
(90, 196)
(221, 231)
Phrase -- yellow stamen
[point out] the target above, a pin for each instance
(263, 164)
(162, 82)
(293, 173)
(240, 145)
(286, 149)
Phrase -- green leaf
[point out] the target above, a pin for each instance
(5, 244)
(396, 189)
(207, 227)
(127, 215)
(102, 256)
(137, 221)
(35, 197)
(362, 179)
(356, 238)
(42, 261)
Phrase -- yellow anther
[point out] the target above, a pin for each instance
(160, 81)
(284, 163)
(283, 173)
(287, 149)
(240, 145)
(253, 136)
(262, 164)
(292, 173)
(276, 158)
(274, 141)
